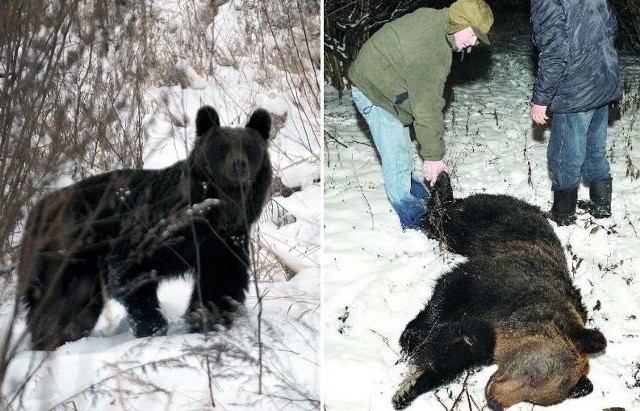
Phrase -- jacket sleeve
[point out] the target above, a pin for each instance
(550, 37)
(428, 125)
(425, 86)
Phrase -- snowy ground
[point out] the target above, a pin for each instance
(377, 277)
(112, 370)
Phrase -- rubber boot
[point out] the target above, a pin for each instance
(563, 211)
(412, 208)
(599, 205)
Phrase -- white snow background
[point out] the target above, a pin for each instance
(377, 277)
(112, 370)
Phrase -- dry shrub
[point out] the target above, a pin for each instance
(70, 98)
(629, 21)
(70, 105)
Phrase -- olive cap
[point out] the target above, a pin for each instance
(471, 13)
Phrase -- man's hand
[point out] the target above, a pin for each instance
(539, 114)
(431, 169)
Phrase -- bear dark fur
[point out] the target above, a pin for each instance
(511, 303)
(118, 234)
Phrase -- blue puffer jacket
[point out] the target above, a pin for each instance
(578, 64)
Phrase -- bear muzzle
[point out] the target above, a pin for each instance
(494, 405)
(492, 401)
(238, 172)
(239, 168)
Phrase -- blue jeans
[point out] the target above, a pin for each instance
(577, 148)
(407, 195)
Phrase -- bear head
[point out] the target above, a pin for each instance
(231, 157)
(543, 370)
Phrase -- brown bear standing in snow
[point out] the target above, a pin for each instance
(511, 303)
(118, 234)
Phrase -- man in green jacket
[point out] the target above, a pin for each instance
(398, 81)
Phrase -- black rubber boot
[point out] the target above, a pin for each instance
(599, 205)
(563, 211)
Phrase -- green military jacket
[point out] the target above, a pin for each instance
(403, 67)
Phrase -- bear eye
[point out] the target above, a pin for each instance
(533, 376)
(216, 152)
(221, 149)
(251, 149)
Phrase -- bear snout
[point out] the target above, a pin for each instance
(239, 167)
(238, 170)
(492, 401)
(492, 392)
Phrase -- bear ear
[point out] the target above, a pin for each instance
(442, 188)
(589, 341)
(582, 388)
(261, 122)
(206, 119)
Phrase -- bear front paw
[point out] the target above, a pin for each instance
(149, 327)
(213, 316)
(407, 391)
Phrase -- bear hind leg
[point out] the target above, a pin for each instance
(60, 317)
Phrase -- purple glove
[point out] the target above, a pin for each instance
(431, 169)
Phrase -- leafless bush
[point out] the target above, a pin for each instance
(129, 378)
(629, 21)
(70, 101)
(629, 107)
(291, 46)
(70, 105)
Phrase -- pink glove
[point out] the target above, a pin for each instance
(431, 169)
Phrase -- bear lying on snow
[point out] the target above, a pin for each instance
(118, 234)
(511, 303)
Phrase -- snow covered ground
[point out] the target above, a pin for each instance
(112, 370)
(377, 278)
